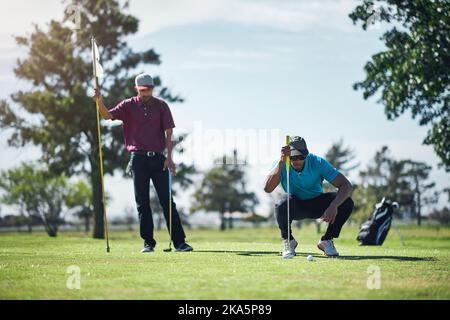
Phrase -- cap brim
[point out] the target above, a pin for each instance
(143, 87)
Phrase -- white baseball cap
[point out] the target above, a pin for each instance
(144, 81)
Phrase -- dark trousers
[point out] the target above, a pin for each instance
(144, 168)
(312, 209)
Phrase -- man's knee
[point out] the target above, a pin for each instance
(281, 209)
(348, 205)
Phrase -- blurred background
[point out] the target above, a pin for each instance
(366, 83)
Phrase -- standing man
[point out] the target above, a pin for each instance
(148, 128)
(307, 199)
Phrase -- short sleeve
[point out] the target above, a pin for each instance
(120, 112)
(166, 118)
(327, 171)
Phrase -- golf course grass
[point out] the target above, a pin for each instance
(236, 264)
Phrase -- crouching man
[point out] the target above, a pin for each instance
(307, 199)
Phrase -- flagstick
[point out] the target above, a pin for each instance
(100, 151)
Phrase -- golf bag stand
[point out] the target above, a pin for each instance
(375, 230)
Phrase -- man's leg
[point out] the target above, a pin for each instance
(295, 213)
(344, 211)
(160, 180)
(317, 206)
(141, 181)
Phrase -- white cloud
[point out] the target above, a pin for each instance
(232, 54)
(292, 16)
(199, 65)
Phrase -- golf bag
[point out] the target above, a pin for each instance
(374, 231)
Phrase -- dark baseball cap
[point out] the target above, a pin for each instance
(298, 146)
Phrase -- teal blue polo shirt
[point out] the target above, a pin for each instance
(307, 184)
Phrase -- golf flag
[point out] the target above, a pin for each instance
(98, 72)
(97, 67)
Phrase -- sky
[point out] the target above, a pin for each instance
(251, 72)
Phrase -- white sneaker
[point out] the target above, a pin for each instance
(327, 246)
(289, 248)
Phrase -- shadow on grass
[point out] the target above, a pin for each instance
(320, 256)
(242, 253)
(398, 258)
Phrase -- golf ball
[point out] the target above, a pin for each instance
(310, 258)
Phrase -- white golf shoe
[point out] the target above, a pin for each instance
(328, 248)
(289, 249)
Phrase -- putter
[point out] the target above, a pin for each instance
(170, 214)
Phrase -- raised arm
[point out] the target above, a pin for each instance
(273, 179)
(101, 106)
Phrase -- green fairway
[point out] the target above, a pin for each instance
(237, 264)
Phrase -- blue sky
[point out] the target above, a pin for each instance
(249, 67)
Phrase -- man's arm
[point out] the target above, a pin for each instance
(169, 145)
(101, 106)
(273, 179)
(345, 190)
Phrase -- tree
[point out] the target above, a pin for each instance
(130, 217)
(79, 198)
(341, 157)
(441, 216)
(404, 181)
(418, 173)
(57, 114)
(412, 73)
(37, 193)
(385, 177)
(223, 190)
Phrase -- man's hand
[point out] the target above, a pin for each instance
(285, 151)
(330, 214)
(168, 163)
(97, 94)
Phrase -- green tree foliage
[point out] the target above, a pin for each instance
(223, 190)
(417, 174)
(57, 114)
(79, 199)
(341, 157)
(413, 72)
(441, 216)
(403, 181)
(37, 193)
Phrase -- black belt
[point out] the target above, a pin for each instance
(147, 153)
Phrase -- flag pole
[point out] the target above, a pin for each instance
(105, 222)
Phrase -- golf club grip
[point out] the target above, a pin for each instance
(288, 158)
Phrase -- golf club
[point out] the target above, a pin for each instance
(288, 165)
(170, 214)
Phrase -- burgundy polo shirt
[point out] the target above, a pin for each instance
(144, 123)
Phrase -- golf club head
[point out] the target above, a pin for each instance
(167, 250)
